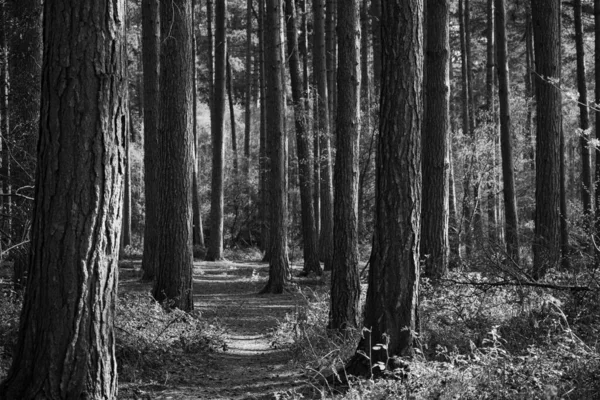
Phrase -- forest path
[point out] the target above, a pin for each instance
(248, 366)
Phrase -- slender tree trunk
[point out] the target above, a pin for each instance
(492, 118)
(376, 39)
(345, 282)
(211, 61)
(151, 66)
(587, 188)
(175, 139)
(331, 60)
(365, 103)
(317, 156)
(597, 101)
(247, 113)
(564, 216)
(215, 245)
(198, 238)
(5, 164)
(391, 308)
(126, 219)
(529, 89)
(279, 271)
(232, 118)
(510, 199)
(65, 347)
(453, 219)
(434, 215)
(546, 36)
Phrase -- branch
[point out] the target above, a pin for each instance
(530, 284)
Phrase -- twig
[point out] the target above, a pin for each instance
(512, 283)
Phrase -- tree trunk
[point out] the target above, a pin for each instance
(215, 245)
(434, 216)
(5, 164)
(492, 120)
(564, 216)
(279, 271)
(173, 282)
(376, 39)
(392, 297)
(232, 118)
(597, 101)
(546, 36)
(345, 282)
(529, 89)
(304, 148)
(151, 66)
(65, 347)
(331, 60)
(326, 183)
(584, 119)
(365, 103)
(198, 234)
(247, 113)
(508, 178)
(126, 219)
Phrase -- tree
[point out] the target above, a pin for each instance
(248, 100)
(304, 147)
(597, 100)
(279, 270)
(345, 282)
(434, 218)
(175, 139)
(215, 244)
(546, 37)
(65, 346)
(510, 201)
(151, 67)
(232, 116)
(392, 296)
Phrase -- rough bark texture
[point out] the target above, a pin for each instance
(584, 118)
(198, 238)
(365, 108)
(126, 219)
(248, 100)
(65, 347)
(279, 271)
(215, 245)
(376, 39)
(435, 168)
(5, 126)
(233, 126)
(597, 101)
(345, 282)
(151, 66)
(546, 36)
(173, 282)
(331, 60)
(392, 297)
(304, 147)
(492, 120)
(324, 159)
(508, 177)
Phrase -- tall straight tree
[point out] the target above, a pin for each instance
(345, 282)
(4, 109)
(331, 59)
(215, 244)
(490, 80)
(434, 218)
(546, 39)
(587, 187)
(304, 147)
(597, 100)
(510, 199)
(151, 66)
(248, 100)
(65, 346)
(279, 270)
(324, 159)
(392, 296)
(198, 235)
(173, 281)
(376, 40)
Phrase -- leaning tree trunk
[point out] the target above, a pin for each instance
(150, 61)
(215, 244)
(279, 270)
(65, 346)
(392, 297)
(173, 282)
(434, 218)
(546, 36)
(304, 148)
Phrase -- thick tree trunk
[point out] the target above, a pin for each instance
(215, 245)
(546, 36)
(508, 178)
(326, 183)
(392, 297)
(304, 147)
(65, 347)
(587, 187)
(173, 282)
(279, 271)
(345, 282)
(434, 216)
(151, 66)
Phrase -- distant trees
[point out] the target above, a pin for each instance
(66, 343)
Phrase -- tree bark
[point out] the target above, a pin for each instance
(232, 119)
(173, 283)
(5, 126)
(435, 168)
(198, 234)
(365, 103)
(247, 113)
(508, 178)
(215, 245)
(151, 66)
(303, 146)
(392, 297)
(376, 40)
(279, 271)
(65, 347)
(597, 101)
(126, 219)
(331, 60)
(546, 36)
(345, 282)
(492, 120)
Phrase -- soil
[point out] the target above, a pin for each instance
(249, 365)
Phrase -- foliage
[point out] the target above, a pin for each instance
(10, 310)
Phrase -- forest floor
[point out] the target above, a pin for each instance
(247, 364)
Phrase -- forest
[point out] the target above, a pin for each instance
(294, 199)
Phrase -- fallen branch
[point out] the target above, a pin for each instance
(513, 283)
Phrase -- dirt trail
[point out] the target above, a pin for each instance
(248, 366)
